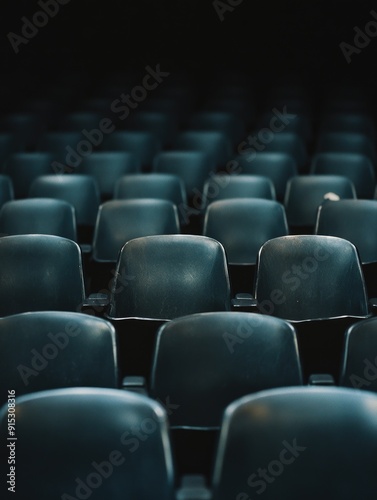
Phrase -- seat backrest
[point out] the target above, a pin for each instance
(356, 167)
(170, 276)
(223, 187)
(86, 442)
(206, 361)
(297, 443)
(191, 166)
(52, 350)
(359, 365)
(353, 220)
(6, 189)
(24, 168)
(160, 186)
(215, 144)
(243, 225)
(305, 193)
(39, 272)
(279, 167)
(81, 191)
(107, 167)
(143, 145)
(38, 216)
(119, 221)
(310, 277)
(347, 142)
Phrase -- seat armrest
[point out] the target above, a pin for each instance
(321, 379)
(245, 301)
(96, 301)
(135, 384)
(86, 248)
(193, 487)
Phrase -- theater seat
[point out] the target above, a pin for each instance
(243, 225)
(120, 221)
(305, 193)
(52, 350)
(359, 361)
(82, 442)
(24, 168)
(307, 279)
(6, 189)
(159, 278)
(38, 216)
(206, 361)
(38, 273)
(297, 443)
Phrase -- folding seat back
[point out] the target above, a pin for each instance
(191, 166)
(216, 145)
(171, 276)
(143, 145)
(296, 443)
(348, 123)
(242, 226)
(241, 107)
(224, 187)
(309, 277)
(161, 125)
(81, 191)
(359, 362)
(227, 123)
(61, 145)
(6, 189)
(206, 361)
(7, 146)
(38, 216)
(347, 142)
(52, 350)
(119, 221)
(279, 167)
(305, 193)
(282, 142)
(107, 167)
(160, 186)
(25, 128)
(39, 272)
(81, 442)
(24, 168)
(353, 220)
(76, 122)
(357, 168)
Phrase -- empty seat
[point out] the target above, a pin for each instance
(206, 361)
(281, 142)
(52, 350)
(143, 145)
(24, 127)
(227, 123)
(24, 168)
(160, 186)
(78, 121)
(7, 147)
(307, 279)
(279, 167)
(40, 272)
(298, 443)
(159, 278)
(191, 166)
(347, 142)
(305, 193)
(161, 125)
(63, 147)
(119, 221)
(106, 168)
(223, 187)
(81, 442)
(238, 106)
(81, 191)
(357, 168)
(38, 216)
(356, 221)
(359, 363)
(215, 144)
(6, 189)
(348, 122)
(242, 226)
